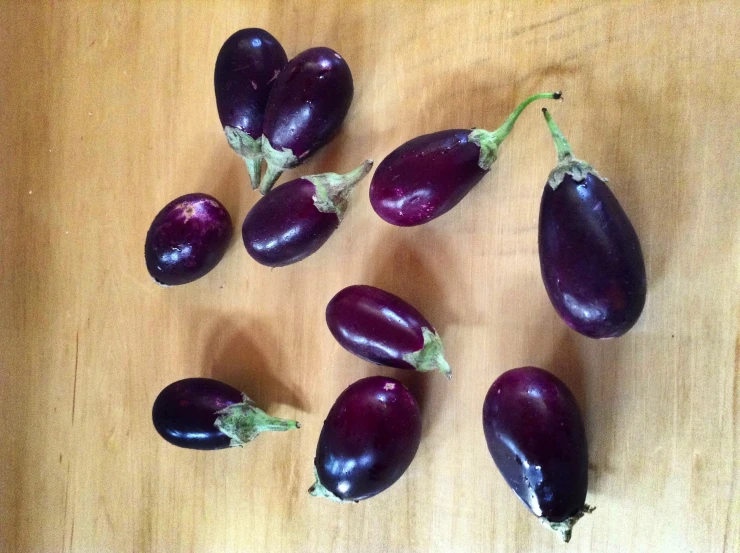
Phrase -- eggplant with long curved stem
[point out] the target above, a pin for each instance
(535, 434)
(383, 329)
(590, 255)
(187, 239)
(368, 440)
(307, 105)
(202, 413)
(429, 175)
(247, 67)
(295, 219)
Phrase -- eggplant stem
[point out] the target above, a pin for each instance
(254, 168)
(431, 356)
(272, 174)
(564, 529)
(243, 422)
(318, 490)
(562, 146)
(489, 141)
(333, 190)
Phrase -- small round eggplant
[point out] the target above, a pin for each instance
(246, 68)
(368, 440)
(383, 329)
(297, 218)
(187, 239)
(590, 256)
(429, 175)
(536, 437)
(201, 413)
(307, 105)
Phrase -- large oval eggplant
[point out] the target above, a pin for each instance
(536, 437)
(295, 219)
(202, 413)
(590, 255)
(247, 66)
(187, 239)
(383, 329)
(368, 440)
(307, 105)
(429, 175)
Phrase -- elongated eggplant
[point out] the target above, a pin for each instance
(307, 105)
(429, 175)
(369, 439)
(295, 219)
(202, 413)
(536, 437)
(187, 239)
(383, 329)
(247, 66)
(590, 256)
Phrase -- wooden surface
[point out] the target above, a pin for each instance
(107, 113)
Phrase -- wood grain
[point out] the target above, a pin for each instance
(107, 112)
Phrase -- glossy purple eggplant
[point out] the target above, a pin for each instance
(295, 219)
(590, 256)
(187, 239)
(429, 175)
(247, 66)
(201, 413)
(368, 440)
(383, 329)
(537, 439)
(307, 105)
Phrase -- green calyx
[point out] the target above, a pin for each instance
(277, 162)
(250, 150)
(489, 141)
(564, 529)
(318, 490)
(568, 164)
(431, 356)
(332, 189)
(243, 422)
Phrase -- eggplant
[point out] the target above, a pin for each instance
(590, 256)
(429, 175)
(206, 414)
(381, 328)
(536, 437)
(247, 66)
(368, 440)
(187, 239)
(307, 105)
(295, 219)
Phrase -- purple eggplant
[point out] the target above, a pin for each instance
(590, 256)
(536, 437)
(295, 219)
(187, 239)
(368, 440)
(307, 105)
(429, 175)
(247, 66)
(201, 413)
(383, 329)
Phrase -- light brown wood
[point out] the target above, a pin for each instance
(107, 112)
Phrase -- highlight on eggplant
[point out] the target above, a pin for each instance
(368, 440)
(381, 328)
(246, 69)
(430, 174)
(206, 414)
(307, 105)
(295, 219)
(590, 256)
(187, 239)
(537, 439)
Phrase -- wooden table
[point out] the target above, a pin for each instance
(107, 112)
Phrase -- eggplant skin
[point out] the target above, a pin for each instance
(369, 438)
(535, 434)
(591, 260)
